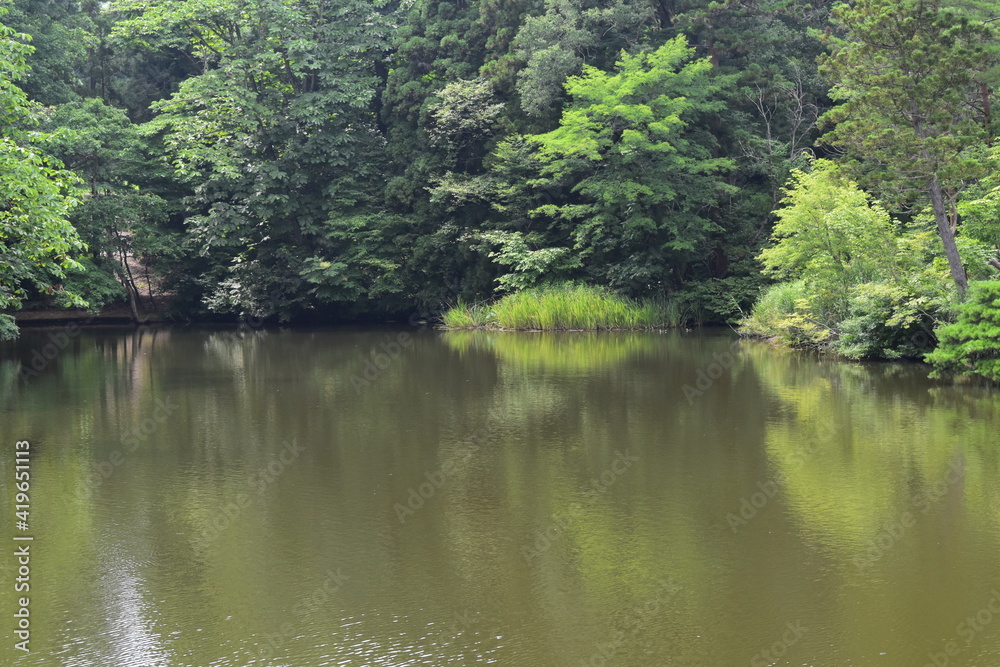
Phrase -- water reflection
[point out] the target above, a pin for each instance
(537, 499)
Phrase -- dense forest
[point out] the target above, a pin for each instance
(833, 164)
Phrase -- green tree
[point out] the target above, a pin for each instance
(972, 344)
(37, 241)
(450, 97)
(60, 34)
(829, 233)
(465, 114)
(119, 218)
(907, 74)
(570, 33)
(638, 166)
(768, 50)
(276, 135)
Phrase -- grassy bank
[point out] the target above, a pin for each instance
(566, 307)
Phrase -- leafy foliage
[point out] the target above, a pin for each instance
(783, 313)
(275, 135)
(528, 266)
(38, 245)
(569, 34)
(829, 233)
(630, 149)
(972, 344)
(857, 283)
(120, 215)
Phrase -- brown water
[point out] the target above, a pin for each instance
(208, 498)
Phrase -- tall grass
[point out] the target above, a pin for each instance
(564, 307)
(465, 316)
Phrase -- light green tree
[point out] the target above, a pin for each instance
(908, 75)
(852, 279)
(830, 233)
(632, 149)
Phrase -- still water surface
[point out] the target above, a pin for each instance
(287, 498)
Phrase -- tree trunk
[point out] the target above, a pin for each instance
(947, 237)
(130, 291)
(128, 281)
(132, 305)
(665, 14)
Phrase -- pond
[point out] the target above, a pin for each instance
(402, 496)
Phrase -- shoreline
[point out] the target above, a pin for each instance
(117, 314)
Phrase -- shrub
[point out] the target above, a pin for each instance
(883, 322)
(971, 346)
(784, 314)
(719, 300)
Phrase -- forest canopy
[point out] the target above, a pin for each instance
(344, 159)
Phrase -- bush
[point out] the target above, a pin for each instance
(717, 300)
(785, 315)
(8, 327)
(96, 284)
(882, 323)
(971, 346)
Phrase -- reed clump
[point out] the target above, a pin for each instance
(558, 308)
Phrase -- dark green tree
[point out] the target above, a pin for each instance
(768, 124)
(120, 218)
(442, 51)
(38, 245)
(277, 137)
(570, 33)
(61, 32)
(971, 346)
